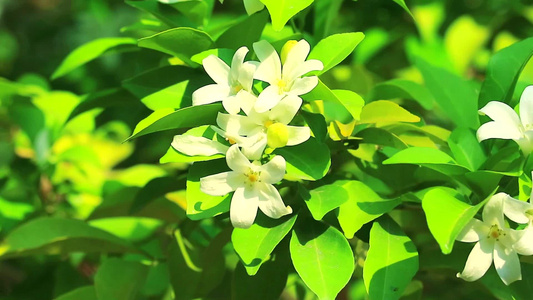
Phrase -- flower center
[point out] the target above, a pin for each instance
(495, 232)
(253, 176)
(268, 123)
(235, 88)
(231, 141)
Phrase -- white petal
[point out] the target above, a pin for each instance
(495, 130)
(209, 94)
(306, 67)
(253, 6)
(298, 135)
(221, 184)
(286, 109)
(236, 160)
(243, 208)
(526, 106)
(217, 69)
(303, 85)
(274, 170)
(507, 264)
(493, 210)
(524, 245)
(231, 105)
(246, 76)
(473, 231)
(246, 100)
(526, 142)
(270, 68)
(295, 58)
(195, 145)
(270, 202)
(235, 124)
(505, 117)
(479, 261)
(516, 210)
(268, 98)
(253, 146)
(237, 61)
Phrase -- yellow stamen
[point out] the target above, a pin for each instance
(268, 123)
(286, 49)
(231, 141)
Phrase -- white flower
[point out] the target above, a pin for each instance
(252, 183)
(494, 243)
(507, 125)
(287, 80)
(253, 6)
(233, 86)
(521, 212)
(197, 145)
(268, 128)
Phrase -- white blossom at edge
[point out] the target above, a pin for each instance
(253, 188)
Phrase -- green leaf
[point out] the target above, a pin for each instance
(194, 10)
(282, 10)
(317, 123)
(383, 112)
(255, 244)
(249, 31)
(163, 12)
(351, 105)
(166, 119)
(173, 155)
(428, 157)
(89, 51)
(334, 49)
(503, 71)
(363, 206)
(404, 6)
(267, 284)
(324, 199)
(154, 189)
(59, 236)
(352, 101)
(391, 261)
(379, 136)
(326, 13)
(454, 95)
(184, 267)
(322, 257)
(447, 214)
(466, 148)
(199, 204)
(133, 229)
(181, 42)
(167, 87)
(102, 99)
(405, 89)
(119, 279)
(82, 293)
(309, 161)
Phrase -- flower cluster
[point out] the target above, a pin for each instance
(507, 125)
(257, 122)
(495, 241)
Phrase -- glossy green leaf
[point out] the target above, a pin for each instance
(454, 95)
(351, 104)
(282, 10)
(89, 51)
(166, 119)
(184, 267)
(363, 206)
(428, 157)
(82, 293)
(466, 148)
(181, 42)
(326, 13)
(391, 261)
(267, 284)
(155, 188)
(199, 204)
(104, 99)
(255, 244)
(447, 214)
(310, 160)
(194, 10)
(59, 236)
(503, 71)
(249, 31)
(379, 136)
(322, 257)
(133, 229)
(404, 6)
(317, 123)
(352, 101)
(119, 279)
(325, 199)
(167, 87)
(384, 112)
(405, 89)
(335, 48)
(163, 12)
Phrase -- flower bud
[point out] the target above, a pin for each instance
(277, 135)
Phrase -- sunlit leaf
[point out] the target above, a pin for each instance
(310, 160)
(282, 10)
(335, 48)
(119, 279)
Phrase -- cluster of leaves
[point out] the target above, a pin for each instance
(393, 173)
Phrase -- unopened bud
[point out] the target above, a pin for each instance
(286, 49)
(277, 135)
